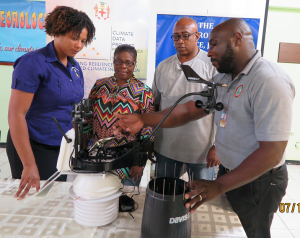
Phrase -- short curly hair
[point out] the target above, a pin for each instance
(125, 48)
(65, 19)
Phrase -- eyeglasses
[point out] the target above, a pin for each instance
(184, 36)
(127, 63)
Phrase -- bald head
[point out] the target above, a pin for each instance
(233, 26)
(185, 37)
(187, 21)
(231, 46)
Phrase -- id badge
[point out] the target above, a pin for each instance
(223, 118)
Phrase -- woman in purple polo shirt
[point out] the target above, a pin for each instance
(45, 83)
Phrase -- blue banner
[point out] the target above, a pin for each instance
(21, 28)
(165, 23)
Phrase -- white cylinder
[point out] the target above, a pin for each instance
(96, 199)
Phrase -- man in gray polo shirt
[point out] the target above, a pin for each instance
(252, 130)
(190, 143)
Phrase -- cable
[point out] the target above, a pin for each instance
(164, 118)
(138, 188)
(127, 204)
(134, 210)
(146, 140)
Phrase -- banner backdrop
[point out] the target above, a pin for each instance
(21, 27)
(116, 22)
(165, 23)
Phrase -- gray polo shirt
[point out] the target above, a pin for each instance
(258, 103)
(189, 143)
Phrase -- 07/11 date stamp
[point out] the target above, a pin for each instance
(289, 207)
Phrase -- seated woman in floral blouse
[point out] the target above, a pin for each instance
(121, 93)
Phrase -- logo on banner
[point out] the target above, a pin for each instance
(102, 10)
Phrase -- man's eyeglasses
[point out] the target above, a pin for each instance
(127, 63)
(184, 36)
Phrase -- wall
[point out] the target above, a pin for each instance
(282, 19)
(228, 8)
(285, 3)
(283, 15)
(5, 82)
(233, 8)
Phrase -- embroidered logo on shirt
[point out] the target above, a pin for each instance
(238, 91)
(75, 71)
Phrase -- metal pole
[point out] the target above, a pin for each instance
(164, 190)
(174, 169)
(183, 189)
(174, 191)
(264, 28)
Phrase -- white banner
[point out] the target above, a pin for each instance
(117, 22)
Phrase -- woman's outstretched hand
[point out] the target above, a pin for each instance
(30, 178)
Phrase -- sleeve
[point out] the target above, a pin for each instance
(156, 92)
(147, 106)
(272, 106)
(26, 75)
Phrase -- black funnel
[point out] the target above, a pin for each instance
(165, 214)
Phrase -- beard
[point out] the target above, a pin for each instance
(226, 64)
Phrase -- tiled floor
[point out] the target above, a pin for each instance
(4, 165)
(285, 224)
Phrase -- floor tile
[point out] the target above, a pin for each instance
(287, 198)
(278, 223)
(296, 233)
(3, 157)
(5, 175)
(5, 168)
(291, 220)
(294, 193)
(284, 224)
(293, 167)
(280, 233)
(295, 175)
(293, 183)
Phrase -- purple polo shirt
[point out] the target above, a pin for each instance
(55, 87)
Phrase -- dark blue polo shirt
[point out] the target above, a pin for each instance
(55, 87)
